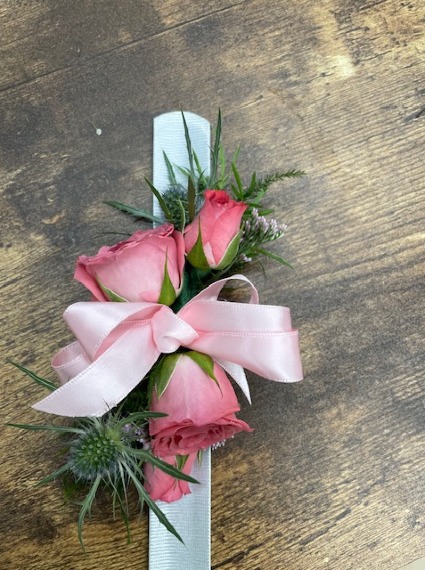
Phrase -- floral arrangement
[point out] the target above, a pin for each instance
(146, 382)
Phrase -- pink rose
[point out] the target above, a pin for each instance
(148, 266)
(219, 222)
(163, 487)
(201, 410)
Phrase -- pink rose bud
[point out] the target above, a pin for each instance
(163, 487)
(212, 239)
(200, 404)
(148, 266)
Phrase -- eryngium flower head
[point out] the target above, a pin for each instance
(93, 453)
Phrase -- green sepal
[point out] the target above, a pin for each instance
(168, 294)
(181, 461)
(200, 456)
(196, 256)
(111, 295)
(204, 362)
(231, 251)
(163, 372)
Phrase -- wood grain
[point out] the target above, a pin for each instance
(332, 477)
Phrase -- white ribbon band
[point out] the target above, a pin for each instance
(191, 515)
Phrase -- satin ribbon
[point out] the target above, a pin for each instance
(118, 343)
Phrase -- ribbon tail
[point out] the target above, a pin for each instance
(238, 374)
(108, 379)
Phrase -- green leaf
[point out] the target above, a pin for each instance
(231, 251)
(251, 186)
(124, 482)
(171, 175)
(136, 212)
(191, 198)
(183, 170)
(126, 234)
(188, 144)
(143, 495)
(290, 174)
(236, 154)
(53, 475)
(168, 294)
(182, 216)
(236, 174)
(161, 200)
(260, 250)
(204, 362)
(120, 496)
(58, 429)
(37, 379)
(138, 417)
(196, 256)
(222, 159)
(111, 295)
(263, 185)
(86, 507)
(216, 150)
(265, 212)
(201, 178)
(163, 465)
(163, 372)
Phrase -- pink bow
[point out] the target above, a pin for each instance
(118, 343)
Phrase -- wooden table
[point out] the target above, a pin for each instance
(332, 477)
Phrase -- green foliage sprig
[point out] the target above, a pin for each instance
(107, 452)
(180, 204)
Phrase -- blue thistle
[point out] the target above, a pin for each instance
(110, 451)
